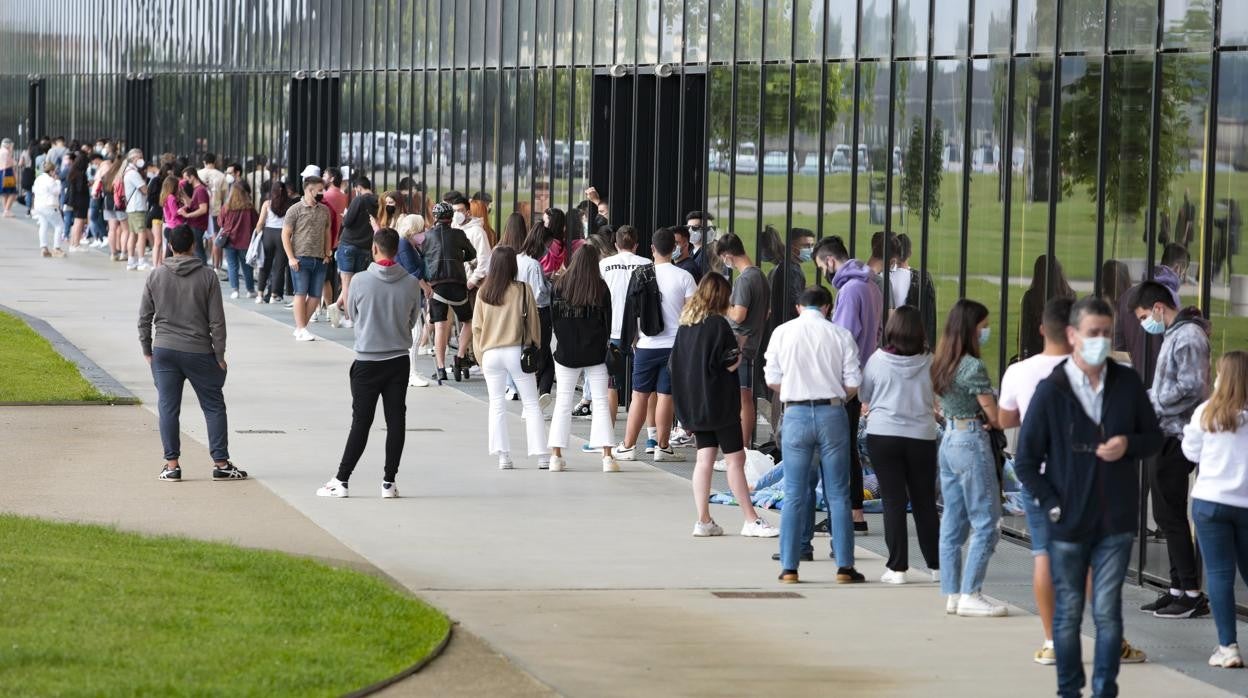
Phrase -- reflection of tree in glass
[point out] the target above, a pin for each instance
(1127, 132)
(912, 169)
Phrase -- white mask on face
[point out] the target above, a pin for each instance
(458, 219)
(229, 179)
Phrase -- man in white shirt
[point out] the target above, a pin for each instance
(135, 184)
(812, 364)
(650, 371)
(617, 270)
(214, 180)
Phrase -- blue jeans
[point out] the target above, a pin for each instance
(96, 227)
(234, 259)
(1223, 534)
(352, 259)
(170, 370)
(815, 440)
(968, 482)
(1107, 557)
(310, 278)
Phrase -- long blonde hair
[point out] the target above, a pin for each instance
(384, 219)
(711, 298)
(1230, 394)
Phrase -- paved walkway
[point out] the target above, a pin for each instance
(590, 582)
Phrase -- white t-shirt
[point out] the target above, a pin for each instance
(617, 270)
(1020, 381)
(899, 279)
(136, 201)
(676, 286)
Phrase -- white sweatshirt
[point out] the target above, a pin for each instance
(1222, 477)
(47, 190)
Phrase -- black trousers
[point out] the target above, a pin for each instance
(271, 280)
(907, 472)
(370, 380)
(546, 374)
(853, 409)
(1168, 483)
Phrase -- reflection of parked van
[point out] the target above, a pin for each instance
(841, 161)
(951, 159)
(985, 158)
(747, 159)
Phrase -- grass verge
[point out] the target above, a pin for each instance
(93, 611)
(35, 372)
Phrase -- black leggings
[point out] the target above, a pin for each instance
(853, 410)
(546, 374)
(1168, 475)
(370, 380)
(273, 271)
(907, 472)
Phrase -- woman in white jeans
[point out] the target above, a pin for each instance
(581, 317)
(47, 210)
(504, 320)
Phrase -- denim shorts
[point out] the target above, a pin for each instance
(351, 259)
(310, 278)
(1037, 523)
(745, 373)
(650, 372)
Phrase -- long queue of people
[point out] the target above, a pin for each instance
(695, 328)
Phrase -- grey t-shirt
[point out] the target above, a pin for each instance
(751, 291)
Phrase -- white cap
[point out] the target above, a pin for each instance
(310, 171)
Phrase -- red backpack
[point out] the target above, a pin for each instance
(119, 191)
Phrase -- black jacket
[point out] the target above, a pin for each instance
(707, 394)
(922, 295)
(1097, 498)
(446, 249)
(357, 229)
(583, 332)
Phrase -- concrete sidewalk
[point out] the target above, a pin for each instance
(588, 581)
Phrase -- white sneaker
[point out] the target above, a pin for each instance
(234, 295)
(345, 323)
(543, 462)
(759, 528)
(389, 490)
(143, 266)
(131, 266)
(557, 464)
(425, 350)
(504, 461)
(316, 315)
(935, 575)
(720, 466)
(304, 335)
(705, 530)
(893, 577)
(333, 488)
(951, 603)
(609, 465)
(335, 314)
(416, 380)
(259, 299)
(625, 454)
(543, 401)
(978, 606)
(1226, 657)
(667, 455)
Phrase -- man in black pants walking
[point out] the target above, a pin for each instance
(385, 303)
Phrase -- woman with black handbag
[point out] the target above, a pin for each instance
(507, 336)
(581, 318)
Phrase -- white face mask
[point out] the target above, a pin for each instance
(1094, 350)
(229, 179)
(458, 219)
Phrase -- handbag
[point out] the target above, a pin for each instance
(255, 251)
(530, 355)
(614, 359)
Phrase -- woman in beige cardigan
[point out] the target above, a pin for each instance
(504, 320)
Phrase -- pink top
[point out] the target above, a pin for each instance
(554, 258)
(172, 219)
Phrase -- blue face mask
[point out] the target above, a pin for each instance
(1094, 350)
(984, 335)
(805, 254)
(676, 253)
(1152, 325)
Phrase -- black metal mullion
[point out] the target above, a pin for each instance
(1206, 258)
(854, 140)
(706, 117)
(927, 130)
(890, 140)
(823, 130)
(732, 121)
(788, 211)
(1150, 226)
(760, 147)
(1008, 186)
(1055, 126)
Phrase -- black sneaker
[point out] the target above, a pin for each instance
(582, 410)
(849, 575)
(804, 557)
(1163, 599)
(172, 475)
(228, 472)
(1184, 606)
(823, 527)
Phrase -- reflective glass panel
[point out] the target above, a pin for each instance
(1029, 201)
(1132, 24)
(1036, 27)
(842, 22)
(992, 26)
(876, 28)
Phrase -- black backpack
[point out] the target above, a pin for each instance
(644, 301)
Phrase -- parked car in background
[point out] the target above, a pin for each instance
(747, 159)
(951, 159)
(842, 159)
(775, 162)
(985, 158)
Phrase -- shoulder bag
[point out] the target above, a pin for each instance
(530, 355)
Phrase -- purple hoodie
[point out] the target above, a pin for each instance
(1130, 337)
(859, 306)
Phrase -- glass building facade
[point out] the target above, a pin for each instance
(994, 133)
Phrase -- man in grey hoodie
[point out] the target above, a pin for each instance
(182, 305)
(1180, 384)
(859, 308)
(385, 302)
(1128, 336)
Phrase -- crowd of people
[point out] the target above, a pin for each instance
(686, 337)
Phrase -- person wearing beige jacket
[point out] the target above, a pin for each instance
(504, 320)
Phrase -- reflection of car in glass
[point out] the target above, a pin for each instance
(714, 161)
(579, 160)
(775, 162)
(985, 158)
(747, 159)
(951, 159)
(1020, 159)
(896, 159)
(842, 162)
(811, 166)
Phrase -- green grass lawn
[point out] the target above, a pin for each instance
(91, 611)
(35, 372)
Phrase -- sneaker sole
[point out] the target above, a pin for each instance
(169, 479)
(1194, 613)
(848, 580)
(1044, 662)
(982, 614)
(333, 496)
(227, 479)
